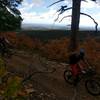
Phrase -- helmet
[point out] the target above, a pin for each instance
(82, 50)
(82, 53)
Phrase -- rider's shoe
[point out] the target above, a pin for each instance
(83, 71)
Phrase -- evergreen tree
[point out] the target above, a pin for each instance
(10, 16)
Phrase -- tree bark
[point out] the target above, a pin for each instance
(75, 24)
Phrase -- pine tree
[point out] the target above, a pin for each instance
(10, 16)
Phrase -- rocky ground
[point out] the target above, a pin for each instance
(47, 81)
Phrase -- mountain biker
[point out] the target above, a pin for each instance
(78, 64)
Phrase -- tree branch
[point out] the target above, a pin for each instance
(96, 24)
(64, 18)
(61, 1)
(61, 11)
(55, 3)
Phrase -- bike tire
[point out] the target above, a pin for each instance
(68, 77)
(93, 87)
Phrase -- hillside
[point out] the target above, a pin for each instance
(36, 68)
(47, 82)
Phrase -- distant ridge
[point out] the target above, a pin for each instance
(42, 27)
(28, 26)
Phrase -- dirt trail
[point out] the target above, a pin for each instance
(52, 84)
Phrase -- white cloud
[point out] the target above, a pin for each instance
(50, 15)
(89, 4)
(37, 18)
(38, 2)
(26, 6)
(86, 6)
(45, 17)
(35, 3)
(26, 15)
(86, 21)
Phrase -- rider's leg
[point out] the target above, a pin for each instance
(75, 72)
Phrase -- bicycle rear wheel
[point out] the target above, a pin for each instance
(68, 77)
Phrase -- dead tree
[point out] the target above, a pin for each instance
(75, 24)
(76, 5)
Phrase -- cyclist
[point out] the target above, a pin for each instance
(78, 64)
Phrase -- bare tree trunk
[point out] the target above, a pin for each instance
(75, 24)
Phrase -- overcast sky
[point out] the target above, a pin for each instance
(36, 11)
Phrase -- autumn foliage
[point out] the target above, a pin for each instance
(56, 49)
(92, 48)
(21, 40)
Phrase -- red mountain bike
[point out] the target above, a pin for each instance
(92, 80)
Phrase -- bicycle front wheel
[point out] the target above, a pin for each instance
(93, 87)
